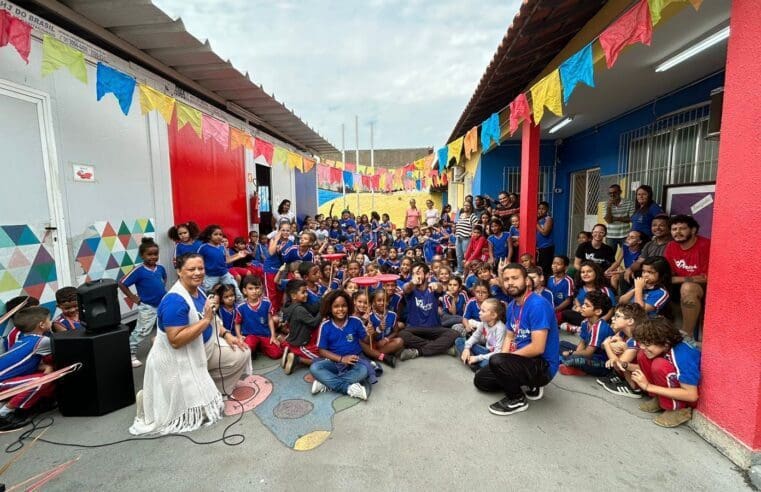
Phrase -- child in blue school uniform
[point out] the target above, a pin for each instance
(452, 303)
(66, 300)
(185, 236)
(668, 369)
(651, 289)
(254, 323)
(216, 259)
(537, 279)
(149, 279)
(341, 368)
(560, 284)
(227, 308)
(588, 356)
(500, 247)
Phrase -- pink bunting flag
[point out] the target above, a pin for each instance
(336, 175)
(350, 166)
(519, 111)
(217, 130)
(264, 149)
(17, 33)
(634, 26)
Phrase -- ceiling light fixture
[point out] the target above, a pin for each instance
(693, 50)
(562, 123)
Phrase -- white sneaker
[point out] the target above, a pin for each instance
(135, 362)
(356, 390)
(318, 387)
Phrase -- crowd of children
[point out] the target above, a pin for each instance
(295, 296)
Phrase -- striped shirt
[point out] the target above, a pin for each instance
(464, 226)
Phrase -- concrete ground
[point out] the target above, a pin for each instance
(425, 427)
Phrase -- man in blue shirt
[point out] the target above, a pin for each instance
(529, 356)
(424, 334)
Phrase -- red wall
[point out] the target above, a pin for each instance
(731, 360)
(208, 182)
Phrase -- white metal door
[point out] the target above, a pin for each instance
(33, 253)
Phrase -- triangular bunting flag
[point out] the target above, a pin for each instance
(295, 161)
(309, 164)
(121, 85)
(490, 131)
(17, 33)
(632, 27)
(578, 68)
(239, 138)
(151, 99)
(217, 130)
(455, 150)
(187, 115)
(471, 142)
(657, 6)
(55, 55)
(547, 92)
(264, 149)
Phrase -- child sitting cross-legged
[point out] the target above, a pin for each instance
(668, 369)
(253, 322)
(621, 350)
(486, 339)
(386, 340)
(341, 369)
(588, 357)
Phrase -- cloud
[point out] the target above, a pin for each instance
(408, 65)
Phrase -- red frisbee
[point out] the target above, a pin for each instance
(365, 281)
(333, 256)
(387, 278)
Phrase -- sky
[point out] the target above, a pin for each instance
(407, 66)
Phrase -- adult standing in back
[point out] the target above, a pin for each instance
(463, 230)
(645, 210)
(618, 213)
(545, 246)
(432, 216)
(411, 218)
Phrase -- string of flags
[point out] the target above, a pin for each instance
(58, 55)
(550, 93)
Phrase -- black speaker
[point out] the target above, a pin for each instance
(104, 383)
(98, 305)
(714, 113)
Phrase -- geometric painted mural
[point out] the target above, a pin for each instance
(27, 265)
(109, 250)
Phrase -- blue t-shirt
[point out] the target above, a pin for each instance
(546, 294)
(393, 302)
(422, 309)
(228, 318)
(183, 249)
(346, 223)
(657, 297)
(375, 319)
(471, 280)
(25, 356)
(254, 319)
(642, 220)
(273, 262)
(414, 241)
(543, 241)
(214, 259)
(630, 256)
(561, 289)
(472, 310)
(342, 341)
(534, 315)
(459, 301)
(150, 284)
(500, 295)
(686, 360)
(315, 296)
(400, 245)
(514, 232)
(594, 335)
(261, 253)
(583, 295)
(174, 312)
(499, 244)
(292, 254)
(429, 249)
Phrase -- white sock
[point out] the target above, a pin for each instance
(5, 411)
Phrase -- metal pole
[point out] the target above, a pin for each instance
(356, 155)
(343, 161)
(372, 162)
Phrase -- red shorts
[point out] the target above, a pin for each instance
(28, 398)
(271, 350)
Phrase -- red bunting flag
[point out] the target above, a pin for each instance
(323, 176)
(17, 33)
(375, 182)
(635, 25)
(264, 149)
(519, 111)
(367, 182)
(336, 175)
(350, 166)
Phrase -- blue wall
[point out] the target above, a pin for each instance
(595, 147)
(306, 194)
(598, 147)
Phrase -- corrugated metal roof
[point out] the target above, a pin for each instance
(539, 31)
(151, 31)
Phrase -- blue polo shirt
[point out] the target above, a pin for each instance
(273, 262)
(686, 360)
(535, 315)
(459, 301)
(183, 249)
(254, 319)
(472, 310)
(543, 241)
(228, 318)
(422, 309)
(150, 283)
(292, 254)
(593, 335)
(214, 259)
(499, 244)
(375, 319)
(561, 289)
(174, 312)
(342, 340)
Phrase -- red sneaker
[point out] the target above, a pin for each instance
(571, 371)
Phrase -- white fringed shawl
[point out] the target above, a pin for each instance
(178, 393)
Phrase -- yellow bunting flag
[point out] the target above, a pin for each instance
(339, 165)
(419, 164)
(657, 6)
(151, 99)
(294, 161)
(361, 169)
(454, 150)
(280, 156)
(239, 138)
(547, 92)
(187, 115)
(55, 55)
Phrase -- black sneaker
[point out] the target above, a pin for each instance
(610, 378)
(12, 422)
(622, 388)
(389, 360)
(509, 405)
(534, 393)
